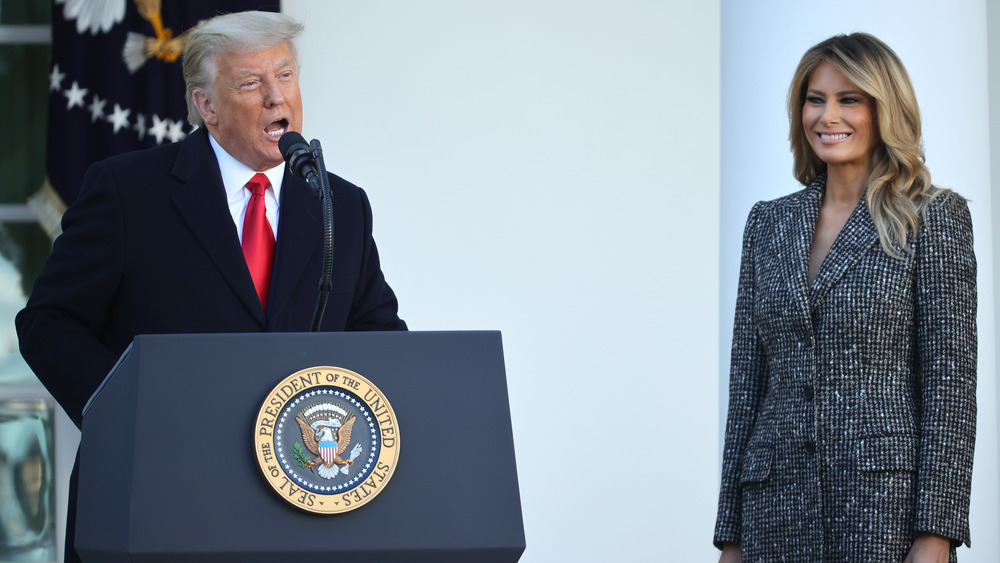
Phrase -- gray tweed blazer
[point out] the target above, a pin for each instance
(852, 409)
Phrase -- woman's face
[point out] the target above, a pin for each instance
(839, 119)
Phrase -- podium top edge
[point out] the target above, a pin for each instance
(360, 333)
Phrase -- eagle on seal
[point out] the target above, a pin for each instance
(327, 440)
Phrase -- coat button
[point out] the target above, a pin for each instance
(810, 446)
(808, 391)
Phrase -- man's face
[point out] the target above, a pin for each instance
(254, 100)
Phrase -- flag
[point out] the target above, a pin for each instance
(115, 84)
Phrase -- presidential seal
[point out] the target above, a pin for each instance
(326, 440)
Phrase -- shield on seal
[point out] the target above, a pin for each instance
(328, 451)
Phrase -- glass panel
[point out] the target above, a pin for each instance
(27, 491)
(21, 12)
(24, 78)
(24, 247)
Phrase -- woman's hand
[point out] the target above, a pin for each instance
(928, 548)
(731, 553)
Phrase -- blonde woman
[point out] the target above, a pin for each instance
(852, 406)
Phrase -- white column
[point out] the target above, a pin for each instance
(944, 46)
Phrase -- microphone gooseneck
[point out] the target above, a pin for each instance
(326, 197)
(306, 161)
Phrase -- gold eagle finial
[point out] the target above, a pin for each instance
(164, 46)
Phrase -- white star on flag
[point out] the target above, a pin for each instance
(176, 131)
(140, 126)
(159, 128)
(97, 109)
(55, 79)
(75, 95)
(119, 118)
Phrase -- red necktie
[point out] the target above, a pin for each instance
(258, 239)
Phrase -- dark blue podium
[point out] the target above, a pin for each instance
(168, 471)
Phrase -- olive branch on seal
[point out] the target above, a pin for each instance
(300, 456)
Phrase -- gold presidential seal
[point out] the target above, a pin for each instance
(326, 440)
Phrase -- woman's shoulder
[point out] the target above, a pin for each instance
(808, 195)
(811, 193)
(946, 206)
(944, 198)
(945, 220)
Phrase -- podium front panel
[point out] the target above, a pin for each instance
(168, 471)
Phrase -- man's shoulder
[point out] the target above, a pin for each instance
(343, 188)
(158, 155)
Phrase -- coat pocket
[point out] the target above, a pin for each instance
(886, 453)
(756, 465)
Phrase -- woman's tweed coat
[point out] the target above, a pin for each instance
(852, 405)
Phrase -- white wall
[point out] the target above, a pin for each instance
(944, 47)
(550, 168)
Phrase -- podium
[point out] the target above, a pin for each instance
(168, 469)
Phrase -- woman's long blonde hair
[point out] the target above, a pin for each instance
(899, 187)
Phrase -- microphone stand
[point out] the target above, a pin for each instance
(326, 277)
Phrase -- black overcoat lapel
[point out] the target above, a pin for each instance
(300, 231)
(201, 202)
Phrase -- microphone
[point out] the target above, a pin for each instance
(298, 154)
(306, 162)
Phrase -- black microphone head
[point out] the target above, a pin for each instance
(288, 142)
(299, 156)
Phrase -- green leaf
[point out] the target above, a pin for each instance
(300, 457)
